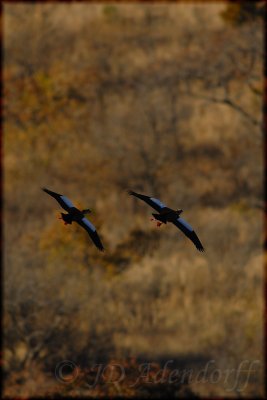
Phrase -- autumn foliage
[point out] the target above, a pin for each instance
(163, 99)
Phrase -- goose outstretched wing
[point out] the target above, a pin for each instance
(90, 228)
(151, 201)
(62, 200)
(187, 229)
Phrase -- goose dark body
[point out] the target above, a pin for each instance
(76, 215)
(167, 214)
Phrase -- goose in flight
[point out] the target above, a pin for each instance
(166, 214)
(74, 214)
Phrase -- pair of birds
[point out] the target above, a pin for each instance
(165, 215)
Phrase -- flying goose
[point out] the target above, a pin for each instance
(166, 214)
(74, 214)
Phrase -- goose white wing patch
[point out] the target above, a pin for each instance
(158, 202)
(185, 224)
(67, 201)
(88, 223)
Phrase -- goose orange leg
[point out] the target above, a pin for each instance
(65, 223)
(158, 223)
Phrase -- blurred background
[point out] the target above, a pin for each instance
(164, 99)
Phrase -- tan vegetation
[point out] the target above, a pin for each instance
(163, 99)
